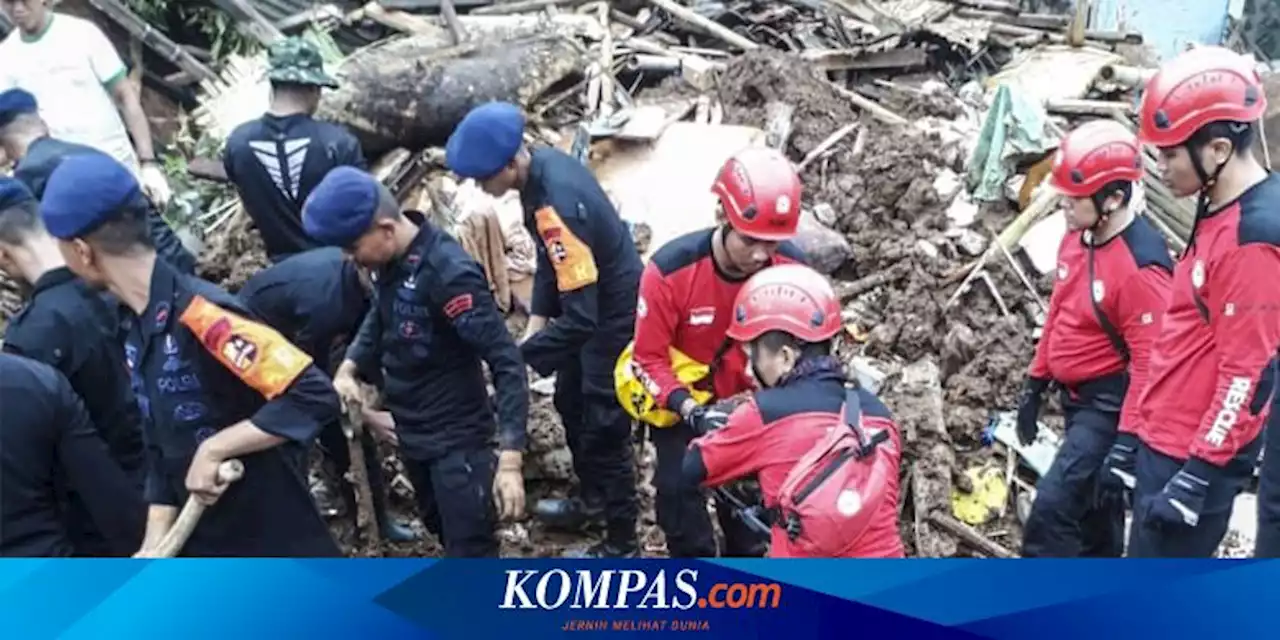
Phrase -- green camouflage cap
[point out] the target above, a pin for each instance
(298, 61)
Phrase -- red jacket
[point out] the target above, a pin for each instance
(1129, 286)
(769, 434)
(1211, 378)
(685, 303)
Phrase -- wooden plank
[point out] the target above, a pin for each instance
(857, 60)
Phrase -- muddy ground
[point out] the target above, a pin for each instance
(881, 189)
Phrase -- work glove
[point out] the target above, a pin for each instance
(706, 418)
(508, 486)
(1182, 499)
(1118, 468)
(154, 184)
(1029, 409)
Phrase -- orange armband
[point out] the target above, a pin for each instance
(257, 354)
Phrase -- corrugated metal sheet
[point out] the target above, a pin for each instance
(347, 37)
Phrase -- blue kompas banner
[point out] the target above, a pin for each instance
(791, 600)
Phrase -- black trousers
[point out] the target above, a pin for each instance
(1268, 543)
(455, 500)
(682, 509)
(1149, 540)
(598, 432)
(1069, 518)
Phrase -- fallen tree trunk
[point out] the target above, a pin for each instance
(409, 93)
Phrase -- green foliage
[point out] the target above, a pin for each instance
(215, 25)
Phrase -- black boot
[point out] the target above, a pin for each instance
(569, 514)
(391, 529)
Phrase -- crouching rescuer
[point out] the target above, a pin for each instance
(826, 451)
(1113, 279)
(683, 361)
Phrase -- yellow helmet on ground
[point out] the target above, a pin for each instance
(636, 390)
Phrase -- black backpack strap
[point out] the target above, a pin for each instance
(1110, 329)
(853, 419)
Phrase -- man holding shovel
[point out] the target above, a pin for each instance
(317, 299)
(212, 383)
(432, 325)
(1112, 284)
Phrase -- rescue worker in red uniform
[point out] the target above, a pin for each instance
(787, 317)
(1112, 284)
(1211, 372)
(686, 302)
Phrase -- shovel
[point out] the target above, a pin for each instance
(173, 541)
(358, 475)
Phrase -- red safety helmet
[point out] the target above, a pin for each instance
(760, 193)
(791, 298)
(1200, 86)
(1094, 155)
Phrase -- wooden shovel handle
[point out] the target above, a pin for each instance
(173, 541)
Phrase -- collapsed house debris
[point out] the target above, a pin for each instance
(922, 130)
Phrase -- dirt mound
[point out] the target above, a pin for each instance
(759, 77)
(880, 184)
(233, 254)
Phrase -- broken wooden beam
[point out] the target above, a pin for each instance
(1126, 76)
(848, 290)
(969, 536)
(1072, 106)
(524, 6)
(710, 27)
(856, 60)
(154, 40)
(870, 106)
(924, 427)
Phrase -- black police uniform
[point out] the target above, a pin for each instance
(588, 280)
(316, 299)
(275, 162)
(190, 386)
(46, 153)
(48, 447)
(433, 321)
(69, 327)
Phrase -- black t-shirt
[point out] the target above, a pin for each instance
(275, 162)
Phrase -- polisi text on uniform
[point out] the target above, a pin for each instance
(607, 589)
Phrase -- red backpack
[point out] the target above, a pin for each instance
(832, 494)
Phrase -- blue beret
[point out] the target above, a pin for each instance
(486, 140)
(85, 191)
(13, 193)
(15, 102)
(341, 208)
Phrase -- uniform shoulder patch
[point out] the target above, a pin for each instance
(570, 257)
(458, 305)
(257, 354)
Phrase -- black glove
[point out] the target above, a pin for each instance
(1118, 468)
(1182, 499)
(704, 418)
(1029, 409)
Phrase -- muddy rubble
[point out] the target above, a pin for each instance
(880, 184)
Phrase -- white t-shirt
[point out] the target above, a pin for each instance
(70, 68)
